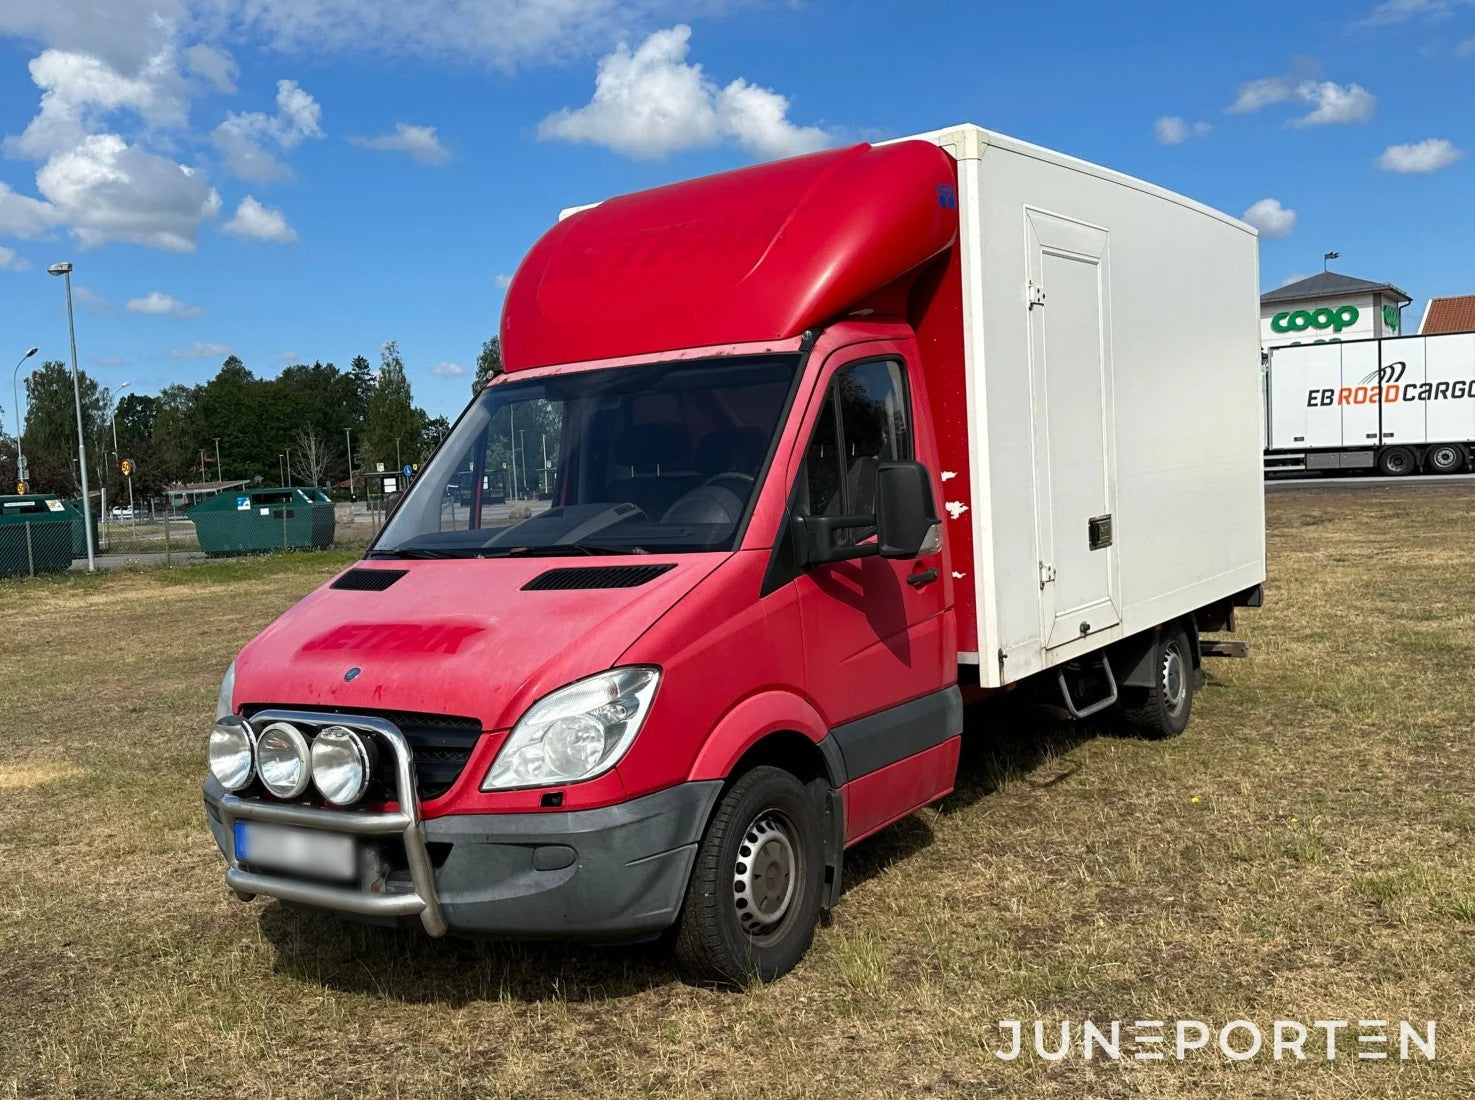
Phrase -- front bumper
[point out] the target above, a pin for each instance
(613, 873)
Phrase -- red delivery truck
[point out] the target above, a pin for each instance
(820, 446)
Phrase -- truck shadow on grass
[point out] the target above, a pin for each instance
(1003, 742)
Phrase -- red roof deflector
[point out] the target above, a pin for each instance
(763, 253)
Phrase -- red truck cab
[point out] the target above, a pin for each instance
(711, 639)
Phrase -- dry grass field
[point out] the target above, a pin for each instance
(1303, 852)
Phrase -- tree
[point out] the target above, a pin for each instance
(51, 425)
(361, 382)
(488, 364)
(313, 454)
(394, 428)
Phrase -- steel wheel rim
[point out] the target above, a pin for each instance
(1175, 679)
(766, 875)
(1397, 462)
(1445, 457)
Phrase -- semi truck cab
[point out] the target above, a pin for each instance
(721, 645)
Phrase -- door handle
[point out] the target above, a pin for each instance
(926, 576)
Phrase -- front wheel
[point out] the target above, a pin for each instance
(754, 896)
(1162, 710)
(1396, 462)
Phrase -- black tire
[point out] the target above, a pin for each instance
(1397, 461)
(1163, 710)
(765, 823)
(1445, 458)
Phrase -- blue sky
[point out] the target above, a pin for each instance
(291, 180)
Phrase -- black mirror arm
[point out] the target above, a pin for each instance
(816, 538)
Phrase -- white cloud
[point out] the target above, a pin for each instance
(1296, 278)
(109, 360)
(1396, 11)
(1172, 130)
(448, 370)
(200, 349)
(1419, 158)
(649, 103)
(78, 91)
(1270, 218)
(1335, 103)
(162, 305)
(10, 260)
(1466, 48)
(1330, 102)
(242, 139)
(108, 190)
(420, 142)
(21, 216)
(123, 33)
(89, 300)
(261, 223)
(503, 281)
(213, 64)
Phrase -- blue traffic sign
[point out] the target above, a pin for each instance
(407, 471)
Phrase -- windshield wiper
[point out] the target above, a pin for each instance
(422, 552)
(563, 549)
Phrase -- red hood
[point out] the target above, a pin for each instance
(454, 637)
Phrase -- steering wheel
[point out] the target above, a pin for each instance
(715, 478)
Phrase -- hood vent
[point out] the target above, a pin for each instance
(368, 580)
(596, 576)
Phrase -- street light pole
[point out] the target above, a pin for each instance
(65, 269)
(20, 458)
(117, 459)
(348, 436)
(219, 476)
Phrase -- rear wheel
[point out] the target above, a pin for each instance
(1446, 458)
(1162, 710)
(754, 896)
(1397, 461)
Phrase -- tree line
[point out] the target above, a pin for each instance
(235, 427)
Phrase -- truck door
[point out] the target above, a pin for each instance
(880, 649)
(1071, 381)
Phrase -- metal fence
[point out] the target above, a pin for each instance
(174, 538)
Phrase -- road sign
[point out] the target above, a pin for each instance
(408, 470)
(126, 467)
(22, 488)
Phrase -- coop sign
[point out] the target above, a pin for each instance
(1319, 319)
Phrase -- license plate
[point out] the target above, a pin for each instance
(305, 852)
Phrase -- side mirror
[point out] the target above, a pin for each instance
(816, 536)
(907, 524)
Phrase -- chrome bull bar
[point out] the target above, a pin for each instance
(405, 822)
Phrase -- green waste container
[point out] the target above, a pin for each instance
(258, 521)
(35, 534)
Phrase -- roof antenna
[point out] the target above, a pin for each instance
(1328, 258)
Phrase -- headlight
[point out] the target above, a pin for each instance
(227, 689)
(341, 765)
(232, 753)
(577, 732)
(282, 759)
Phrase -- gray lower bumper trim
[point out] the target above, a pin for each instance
(614, 873)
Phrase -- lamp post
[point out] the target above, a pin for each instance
(348, 437)
(20, 458)
(65, 270)
(219, 476)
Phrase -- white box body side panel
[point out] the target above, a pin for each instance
(1327, 396)
(1181, 402)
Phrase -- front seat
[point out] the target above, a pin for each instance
(651, 455)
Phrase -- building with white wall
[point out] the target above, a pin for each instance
(1329, 307)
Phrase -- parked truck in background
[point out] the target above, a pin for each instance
(833, 441)
(1398, 405)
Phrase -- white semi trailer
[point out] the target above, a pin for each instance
(1399, 405)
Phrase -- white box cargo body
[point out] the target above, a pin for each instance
(1345, 404)
(1112, 348)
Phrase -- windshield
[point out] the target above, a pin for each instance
(663, 458)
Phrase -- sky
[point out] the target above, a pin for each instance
(300, 180)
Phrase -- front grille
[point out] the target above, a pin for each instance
(440, 744)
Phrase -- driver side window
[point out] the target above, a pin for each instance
(865, 421)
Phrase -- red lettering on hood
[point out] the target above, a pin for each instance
(394, 638)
